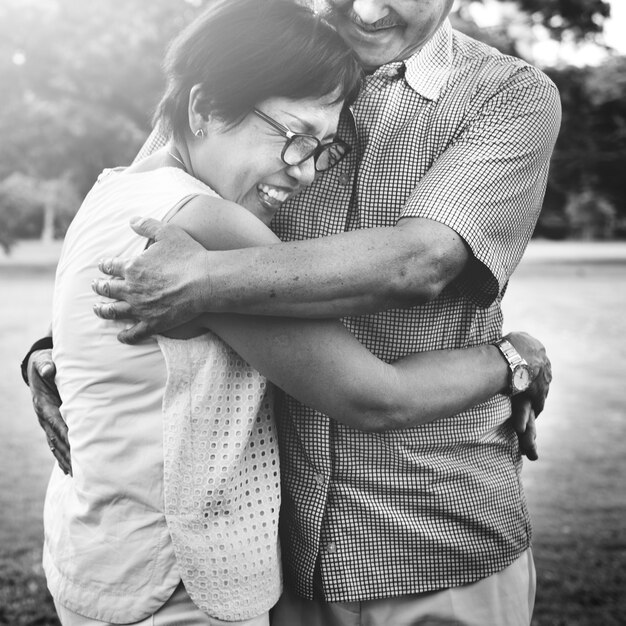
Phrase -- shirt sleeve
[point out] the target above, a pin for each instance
(489, 184)
(156, 140)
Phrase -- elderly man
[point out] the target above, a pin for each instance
(412, 239)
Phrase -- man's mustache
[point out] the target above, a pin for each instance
(346, 12)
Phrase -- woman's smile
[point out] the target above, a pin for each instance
(245, 163)
(272, 197)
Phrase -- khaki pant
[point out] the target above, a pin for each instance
(504, 599)
(177, 611)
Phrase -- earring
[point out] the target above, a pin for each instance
(199, 133)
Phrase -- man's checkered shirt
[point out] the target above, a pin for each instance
(460, 134)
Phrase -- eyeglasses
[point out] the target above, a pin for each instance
(299, 147)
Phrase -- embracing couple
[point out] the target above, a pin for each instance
(403, 167)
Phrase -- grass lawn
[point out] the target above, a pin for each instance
(25, 462)
(577, 489)
(573, 297)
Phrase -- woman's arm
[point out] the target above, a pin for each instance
(323, 365)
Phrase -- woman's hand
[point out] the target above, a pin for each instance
(46, 401)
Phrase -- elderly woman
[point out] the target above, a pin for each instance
(171, 513)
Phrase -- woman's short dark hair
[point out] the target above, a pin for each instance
(245, 51)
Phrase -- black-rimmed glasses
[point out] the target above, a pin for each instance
(299, 147)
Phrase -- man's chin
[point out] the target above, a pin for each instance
(369, 61)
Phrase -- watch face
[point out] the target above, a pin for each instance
(521, 378)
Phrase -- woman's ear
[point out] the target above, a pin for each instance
(199, 119)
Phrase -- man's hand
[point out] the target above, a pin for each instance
(523, 421)
(156, 287)
(46, 400)
(528, 405)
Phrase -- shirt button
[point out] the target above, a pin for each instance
(343, 178)
(320, 479)
(331, 547)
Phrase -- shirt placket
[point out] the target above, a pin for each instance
(332, 542)
(341, 179)
(364, 119)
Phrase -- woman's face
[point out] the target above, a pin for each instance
(243, 164)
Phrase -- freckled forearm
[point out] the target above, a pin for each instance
(351, 273)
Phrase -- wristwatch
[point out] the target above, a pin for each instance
(520, 375)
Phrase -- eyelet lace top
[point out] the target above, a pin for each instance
(221, 477)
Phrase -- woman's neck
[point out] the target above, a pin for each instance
(168, 156)
(179, 153)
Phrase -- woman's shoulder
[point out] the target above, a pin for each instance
(157, 170)
(168, 183)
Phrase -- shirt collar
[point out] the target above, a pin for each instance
(428, 70)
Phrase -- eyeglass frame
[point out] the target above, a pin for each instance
(289, 134)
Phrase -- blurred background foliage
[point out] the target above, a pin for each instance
(80, 80)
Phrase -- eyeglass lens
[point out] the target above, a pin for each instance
(301, 147)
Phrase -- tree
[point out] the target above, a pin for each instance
(579, 17)
(590, 155)
(83, 79)
(31, 208)
(576, 20)
(586, 192)
(80, 81)
(88, 78)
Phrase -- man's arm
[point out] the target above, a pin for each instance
(39, 371)
(47, 402)
(352, 273)
(357, 272)
(483, 193)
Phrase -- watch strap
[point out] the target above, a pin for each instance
(513, 358)
(509, 352)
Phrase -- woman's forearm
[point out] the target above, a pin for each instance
(323, 366)
(442, 383)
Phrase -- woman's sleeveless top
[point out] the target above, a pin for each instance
(122, 532)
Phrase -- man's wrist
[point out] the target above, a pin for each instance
(520, 373)
(224, 285)
(205, 300)
(500, 368)
(45, 343)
